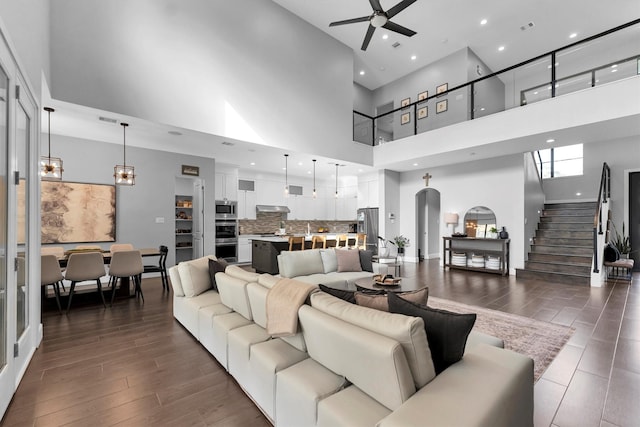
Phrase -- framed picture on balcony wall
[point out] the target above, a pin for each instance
(423, 112)
(442, 88)
(442, 106)
(423, 95)
(405, 102)
(405, 118)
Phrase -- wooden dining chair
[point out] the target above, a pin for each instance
(361, 241)
(51, 275)
(341, 240)
(126, 264)
(296, 241)
(161, 267)
(82, 267)
(319, 242)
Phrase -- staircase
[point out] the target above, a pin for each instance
(562, 250)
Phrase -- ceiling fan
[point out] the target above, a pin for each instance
(380, 18)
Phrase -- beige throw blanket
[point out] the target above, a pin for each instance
(283, 302)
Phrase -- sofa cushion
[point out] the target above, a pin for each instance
(352, 407)
(216, 266)
(348, 260)
(408, 331)
(233, 294)
(380, 302)
(447, 332)
(194, 276)
(300, 263)
(366, 260)
(241, 273)
(176, 283)
(329, 260)
(267, 280)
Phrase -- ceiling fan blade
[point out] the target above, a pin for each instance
(367, 38)
(399, 29)
(375, 5)
(349, 21)
(399, 8)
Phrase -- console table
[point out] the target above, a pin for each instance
(470, 246)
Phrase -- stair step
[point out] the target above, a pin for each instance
(564, 242)
(570, 259)
(562, 250)
(558, 267)
(565, 234)
(569, 212)
(588, 219)
(571, 205)
(572, 279)
(580, 226)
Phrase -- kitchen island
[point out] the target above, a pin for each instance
(265, 249)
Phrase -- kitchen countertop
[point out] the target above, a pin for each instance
(280, 239)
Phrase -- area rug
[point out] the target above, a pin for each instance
(539, 340)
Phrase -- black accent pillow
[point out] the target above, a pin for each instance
(611, 253)
(348, 296)
(447, 332)
(216, 266)
(366, 262)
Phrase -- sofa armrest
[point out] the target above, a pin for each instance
(490, 386)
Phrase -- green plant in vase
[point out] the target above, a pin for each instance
(401, 242)
(621, 241)
(494, 231)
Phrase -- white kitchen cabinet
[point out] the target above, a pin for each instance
(368, 194)
(244, 249)
(269, 192)
(246, 204)
(226, 186)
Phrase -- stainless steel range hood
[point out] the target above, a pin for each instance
(270, 208)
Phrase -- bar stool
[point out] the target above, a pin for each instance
(50, 274)
(126, 264)
(161, 267)
(361, 241)
(316, 241)
(293, 241)
(82, 267)
(341, 240)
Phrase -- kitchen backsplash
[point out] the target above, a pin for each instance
(269, 222)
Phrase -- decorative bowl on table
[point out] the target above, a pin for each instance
(387, 280)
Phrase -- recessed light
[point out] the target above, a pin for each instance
(415, 164)
(614, 66)
(359, 170)
(309, 172)
(483, 22)
(252, 163)
(573, 35)
(284, 169)
(482, 109)
(550, 140)
(413, 57)
(578, 194)
(385, 36)
(362, 72)
(501, 48)
(614, 70)
(535, 93)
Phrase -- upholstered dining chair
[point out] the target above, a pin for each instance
(161, 267)
(296, 241)
(341, 240)
(58, 251)
(120, 247)
(50, 274)
(318, 242)
(126, 264)
(82, 267)
(89, 247)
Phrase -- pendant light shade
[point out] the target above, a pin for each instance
(124, 174)
(286, 175)
(337, 180)
(50, 167)
(314, 179)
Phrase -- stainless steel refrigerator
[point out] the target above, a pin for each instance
(368, 224)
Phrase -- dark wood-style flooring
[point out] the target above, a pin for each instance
(134, 365)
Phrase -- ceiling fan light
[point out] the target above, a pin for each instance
(378, 19)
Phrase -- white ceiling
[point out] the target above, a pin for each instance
(457, 22)
(445, 26)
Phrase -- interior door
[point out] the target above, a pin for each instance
(634, 218)
(198, 219)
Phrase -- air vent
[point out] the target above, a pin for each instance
(395, 45)
(295, 190)
(230, 144)
(528, 25)
(246, 185)
(107, 119)
(174, 132)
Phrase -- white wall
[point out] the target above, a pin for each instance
(495, 183)
(153, 195)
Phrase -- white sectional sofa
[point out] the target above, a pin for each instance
(348, 365)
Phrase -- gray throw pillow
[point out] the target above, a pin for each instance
(365, 260)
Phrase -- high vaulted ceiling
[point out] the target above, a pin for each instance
(445, 26)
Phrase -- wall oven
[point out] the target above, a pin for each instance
(227, 240)
(226, 209)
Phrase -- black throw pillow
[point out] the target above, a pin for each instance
(348, 296)
(365, 260)
(611, 253)
(447, 332)
(216, 266)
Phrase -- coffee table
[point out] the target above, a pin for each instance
(405, 285)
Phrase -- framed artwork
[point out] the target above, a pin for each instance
(423, 112)
(405, 102)
(75, 212)
(423, 95)
(405, 118)
(441, 106)
(442, 88)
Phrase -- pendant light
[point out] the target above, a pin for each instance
(50, 167)
(314, 179)
(337, 180)
(123, 174)
(286, 175)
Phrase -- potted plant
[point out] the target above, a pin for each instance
(494, 232)
(621, 241)
(401, 242)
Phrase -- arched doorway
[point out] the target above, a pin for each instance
(427, 224)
